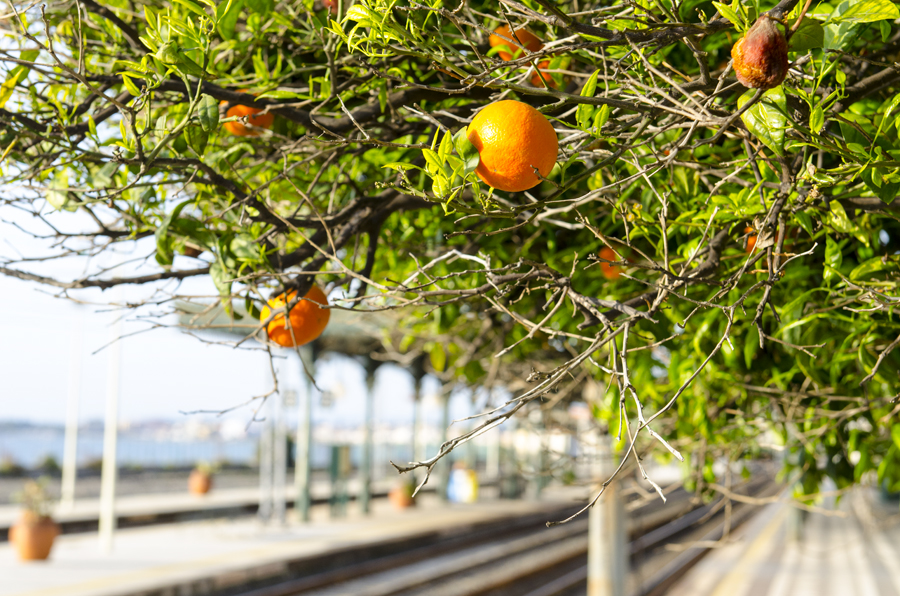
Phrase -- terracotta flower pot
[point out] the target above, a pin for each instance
(33, 537)
(199, 482)
(401, 498)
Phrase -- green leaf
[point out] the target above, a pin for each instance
(103, 177)
(584, 114)
(809, 36)
(193, 7)
(401, 165)
(874, 179)
(446, 147)
(895, 435)
(164, 255)
(766, 119)
(262, 7)
(440, 184)
(284, 94)
(16, 75)
(196, 138)
(838, 220)
(433, 163)
(57, 196)
(805, 221)
(208, 113)
(129, 85)
(867, 11)
(730, 14)
(360, 14)
(168, 53)
(816, 119)
(227, 15)
(245, 248)
(438, 357)
(600, 118)
(751, 347)
(870, 266)
(833, 258)
(222, 279)
(466, 150)
(839, 35)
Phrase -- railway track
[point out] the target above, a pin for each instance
(521, 557)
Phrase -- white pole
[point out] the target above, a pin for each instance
(492, 457)
(109, 469)
(418, 440)
(265, 468)
(280, 454)
(365, 494)
(302, 461)
(70, 448)
(607, 547)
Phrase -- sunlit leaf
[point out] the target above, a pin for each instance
(766, 119)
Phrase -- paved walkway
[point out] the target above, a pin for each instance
(855, 551)
(230, 550)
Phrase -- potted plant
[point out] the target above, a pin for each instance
(200, 480)
(34, 533)
(401, 496)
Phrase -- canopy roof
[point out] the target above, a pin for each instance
(350, 332)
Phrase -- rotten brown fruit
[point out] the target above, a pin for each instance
(761, 56)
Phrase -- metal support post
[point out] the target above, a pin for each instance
(265, 469)
(417, 446)
(109, 469)
(607, 546)
(340, 471)
(279, 475)
(365, 492)
(303, 457)
(70, 448)
(492, 457)
(443, 466)
(540, 479)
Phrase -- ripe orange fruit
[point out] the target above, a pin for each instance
(238, 129)
(751, 240)
(610, 272)
(308, 318)
(512, 138)
(526, 39)
(536, 78)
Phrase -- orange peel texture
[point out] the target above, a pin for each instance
(527, 40)
(238, 129)
(609, 271)
(308, 318)
(512, 139)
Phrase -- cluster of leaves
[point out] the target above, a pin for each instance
(115, 108)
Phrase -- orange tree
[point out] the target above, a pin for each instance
(628, 261)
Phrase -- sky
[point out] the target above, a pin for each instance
(163, 371)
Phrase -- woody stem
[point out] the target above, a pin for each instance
(799, 19)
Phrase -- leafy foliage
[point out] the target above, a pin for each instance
(112, 109)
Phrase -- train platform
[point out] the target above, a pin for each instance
(180, 505)
(201, 556)
(850, 549)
